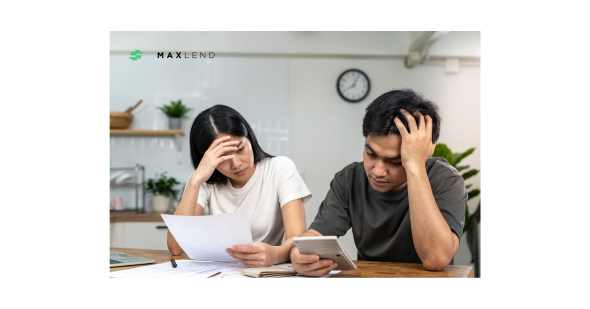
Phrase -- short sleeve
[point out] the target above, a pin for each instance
(290, 185)
(332, 218)
(448, 189)
(204, 195)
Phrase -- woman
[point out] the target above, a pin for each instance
(234, 174)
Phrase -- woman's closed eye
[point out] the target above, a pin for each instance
(239, 150)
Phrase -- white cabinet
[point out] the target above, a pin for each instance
(139, 235)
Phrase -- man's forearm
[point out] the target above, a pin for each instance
(284, 250)
(308, 233)
(433, 239)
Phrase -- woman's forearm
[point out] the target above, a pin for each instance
(294, 221)
(187, 207)
(188, 204)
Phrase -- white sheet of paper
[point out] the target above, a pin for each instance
(233, 273)
(236, 272)
(206, 274)
(207, 237)
(186, 268)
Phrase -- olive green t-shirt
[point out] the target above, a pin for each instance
(381, 221)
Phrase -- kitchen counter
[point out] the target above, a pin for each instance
(132, 216)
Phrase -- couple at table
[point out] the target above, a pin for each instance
(402, 205)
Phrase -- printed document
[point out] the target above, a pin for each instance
(186, 268)
(236, 272)
(233, 272)
(207, 237)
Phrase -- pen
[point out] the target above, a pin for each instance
(173, 263)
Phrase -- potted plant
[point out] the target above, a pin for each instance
(175, 112)
(441, 150)
(471, 220)
(162, 189)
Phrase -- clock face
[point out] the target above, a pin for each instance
(353, 85)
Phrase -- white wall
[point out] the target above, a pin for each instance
(325, 131)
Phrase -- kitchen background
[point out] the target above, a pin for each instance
(284, 84)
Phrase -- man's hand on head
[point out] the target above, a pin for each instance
(417, 144)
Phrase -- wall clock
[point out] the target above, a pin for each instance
(353, 85)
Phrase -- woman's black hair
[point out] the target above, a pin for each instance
(214, 121)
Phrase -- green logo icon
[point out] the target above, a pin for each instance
(136, 55)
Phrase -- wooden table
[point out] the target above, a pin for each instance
(365, 269)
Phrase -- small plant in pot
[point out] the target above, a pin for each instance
(175, 112)
(162, 189)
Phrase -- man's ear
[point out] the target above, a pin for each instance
(433, 148)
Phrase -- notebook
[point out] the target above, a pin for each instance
(268, 272)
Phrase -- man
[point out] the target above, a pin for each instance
(402, 205)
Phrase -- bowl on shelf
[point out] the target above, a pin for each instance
(122, 120)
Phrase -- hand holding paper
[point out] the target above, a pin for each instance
(207, 237)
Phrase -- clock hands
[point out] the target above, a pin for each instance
(353, 84)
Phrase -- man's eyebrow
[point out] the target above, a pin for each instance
(398, 157)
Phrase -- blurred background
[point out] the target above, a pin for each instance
(284, 84)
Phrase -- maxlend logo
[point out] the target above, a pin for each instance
(136, 55)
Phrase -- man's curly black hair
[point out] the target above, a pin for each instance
(381, 112)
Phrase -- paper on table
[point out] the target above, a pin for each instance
(234, 272)
(206, 274)
(186, 268)
(207, 237)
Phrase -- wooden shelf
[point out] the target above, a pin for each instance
(176, 134)
(115, 132)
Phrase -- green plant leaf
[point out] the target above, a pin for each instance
(470, 174)
(454, 157)
(462, 167)
(162, 185)
(473, 193)
(457, 157)
(164, 110)
(175, 109)
(442, 151)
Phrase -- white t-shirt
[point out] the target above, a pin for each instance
(275, 182)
